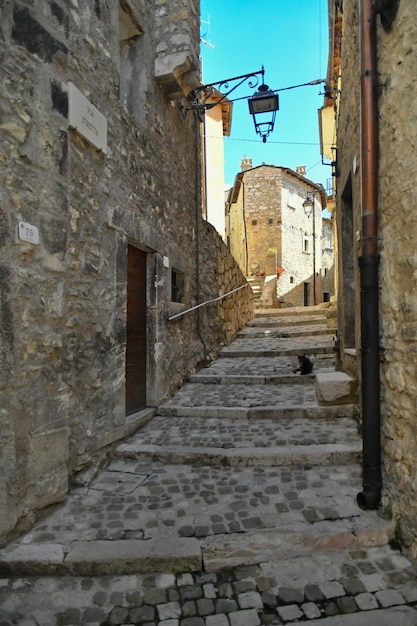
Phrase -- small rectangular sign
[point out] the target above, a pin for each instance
(86, 119)
(28, 233)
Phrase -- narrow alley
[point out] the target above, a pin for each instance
(235, 505)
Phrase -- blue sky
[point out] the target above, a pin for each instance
(291, 40)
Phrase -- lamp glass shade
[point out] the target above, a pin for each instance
(263, 102)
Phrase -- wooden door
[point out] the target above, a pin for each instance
(136, 331)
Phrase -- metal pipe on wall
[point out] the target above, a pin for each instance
(370, 497)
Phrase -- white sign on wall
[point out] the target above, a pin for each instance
(28, 232)
(86, 119)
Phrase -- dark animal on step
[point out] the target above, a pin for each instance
(305, 366)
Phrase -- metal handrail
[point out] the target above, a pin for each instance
(197, 306)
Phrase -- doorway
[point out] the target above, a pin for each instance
(136, 345)
(306, 294)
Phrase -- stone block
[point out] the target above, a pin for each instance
(334, 388)
(101, 558)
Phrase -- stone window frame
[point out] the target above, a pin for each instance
(306, 244)
(292, 198)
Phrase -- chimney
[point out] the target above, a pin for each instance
(301, 169)
(246, 164)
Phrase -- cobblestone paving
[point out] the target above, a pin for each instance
(202, 394)
(285, 321)
(300, 590)
(266, 367)
(286, 331)
(229, 433)
(294, 345)
(214, 505)
(131, 500)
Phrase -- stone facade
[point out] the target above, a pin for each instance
(75, 196)
(397, 223)
(271, 234)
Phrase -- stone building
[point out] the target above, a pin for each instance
(373, 52)
(271, 233)
(102, 240)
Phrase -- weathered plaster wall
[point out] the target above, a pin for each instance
(397, 52)
(63, 301)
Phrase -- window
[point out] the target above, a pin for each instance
(292, 198)
(306, 244)
(254, 222)
(177, 285)
(292, 280)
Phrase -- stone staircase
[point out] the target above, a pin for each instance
(256, 283)
(234, 506)
(273, 468)
(243, 464)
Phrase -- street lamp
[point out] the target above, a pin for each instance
(309, 206)
(264, 102)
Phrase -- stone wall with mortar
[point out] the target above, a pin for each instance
(63, 300)
(348, 181)
(397, 51)
(397, 224)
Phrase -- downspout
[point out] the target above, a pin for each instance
(199, 147)
(370, 497)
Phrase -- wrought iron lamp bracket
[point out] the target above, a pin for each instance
(199, 98)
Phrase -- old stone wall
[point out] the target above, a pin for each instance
(220, 274)
(348, 183)
(398, 269)
(397, 224)
(82, 202)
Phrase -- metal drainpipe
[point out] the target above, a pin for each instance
(370, 497)
(198, 217)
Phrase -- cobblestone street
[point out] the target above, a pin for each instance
(235, 505)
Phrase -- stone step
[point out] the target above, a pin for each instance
(207, 377)
(264, 412)
(288, 321)
(285, 332)
(274, 369)
(152, 516)
(184, 554)
(250, 402)
(102, 557)
(314, 454)
(295, 540)
(273, 346)
(231, 442)
(294, 312)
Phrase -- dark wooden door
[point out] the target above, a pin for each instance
(136, 331)
(306, 294)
